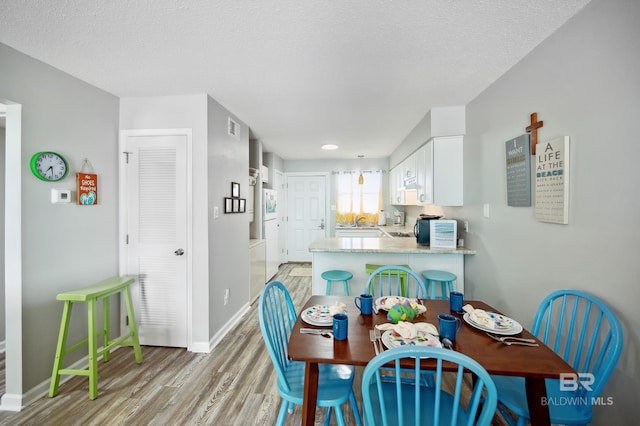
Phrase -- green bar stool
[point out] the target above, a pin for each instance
(370, 267)
(337, 275)
(91, 295)
(433, 277)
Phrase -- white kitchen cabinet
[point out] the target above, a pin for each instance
(440, 172)
(396, 196)
(258, 268)
(401, 178)
(272, 247)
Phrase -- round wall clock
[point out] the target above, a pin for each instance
(49, 166)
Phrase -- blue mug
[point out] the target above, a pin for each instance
(365, 305)
(449, 326)
(340, 326)
(456, 300)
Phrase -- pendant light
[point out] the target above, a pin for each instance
(360, 178)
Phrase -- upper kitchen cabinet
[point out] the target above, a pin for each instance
(402, 178)
(439, 172)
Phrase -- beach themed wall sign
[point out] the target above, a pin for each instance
(552, 181)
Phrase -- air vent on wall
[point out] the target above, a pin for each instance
(233, 129)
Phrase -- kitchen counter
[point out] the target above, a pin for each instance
(352, 254)
(380, 245)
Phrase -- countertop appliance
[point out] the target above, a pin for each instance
(421, 228)
(398, 218)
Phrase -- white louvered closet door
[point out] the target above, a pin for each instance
(157, 236)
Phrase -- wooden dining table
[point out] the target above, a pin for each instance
(535, 364)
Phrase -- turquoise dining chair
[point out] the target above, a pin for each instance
(395, 280)
(402, 403)
(277, 317)
(588, 336)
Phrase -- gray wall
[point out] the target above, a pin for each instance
(584, 82)
(63, 246)
(229, 263)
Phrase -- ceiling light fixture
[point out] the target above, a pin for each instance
(360, 178)
(329, 146)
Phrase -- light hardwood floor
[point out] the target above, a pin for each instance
(232, 385)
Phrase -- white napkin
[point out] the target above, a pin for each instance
(479, 316)
(409, 329)
(338, 308)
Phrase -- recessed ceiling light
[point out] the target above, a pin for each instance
(329, 146)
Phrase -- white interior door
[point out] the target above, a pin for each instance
(307, 214)
(156, 211)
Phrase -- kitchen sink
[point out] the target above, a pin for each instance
(359, 232)
(400, 234)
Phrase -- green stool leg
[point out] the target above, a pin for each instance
(132, 326)
(93, 350)
(106, 325)
(60, 349)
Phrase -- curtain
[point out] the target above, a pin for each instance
(353, 199)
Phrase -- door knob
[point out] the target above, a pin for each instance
(179, 252)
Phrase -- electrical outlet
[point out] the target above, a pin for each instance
(226, 296)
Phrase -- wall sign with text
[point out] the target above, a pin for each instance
(86, 189)
(518, 155)
(552, 181)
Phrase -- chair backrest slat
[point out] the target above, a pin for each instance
(277, 317)
(586, 334)
(395, 280)
(435, 404)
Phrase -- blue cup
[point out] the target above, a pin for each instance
(365, 303)
(340, 326)
(449, 326)
(456, 300)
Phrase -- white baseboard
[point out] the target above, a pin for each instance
(225, 329)
(11, 402)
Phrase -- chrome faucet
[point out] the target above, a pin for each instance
(358, 219)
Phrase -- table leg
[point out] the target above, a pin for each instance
(310, 394)
(536, 392)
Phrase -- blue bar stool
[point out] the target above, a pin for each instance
(337, 275)
(433, 277)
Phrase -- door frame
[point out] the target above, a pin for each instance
(122, 214)
(12, 399)
(327, 186)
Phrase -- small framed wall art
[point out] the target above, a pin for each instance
(235, 190)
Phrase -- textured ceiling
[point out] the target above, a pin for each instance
(358, 73)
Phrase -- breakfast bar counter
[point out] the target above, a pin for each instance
(352, 254)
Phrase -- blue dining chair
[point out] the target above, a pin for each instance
(395, 280)
(277, 317)
(588, 336)
(403, 403)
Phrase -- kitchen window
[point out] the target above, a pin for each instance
(358, 200)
